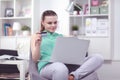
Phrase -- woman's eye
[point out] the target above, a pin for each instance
(55, 22)
(52, 22)
(49, 22)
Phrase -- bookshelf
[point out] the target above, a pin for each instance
(22, 11)
(94, 23)
(15, 11)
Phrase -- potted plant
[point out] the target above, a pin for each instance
(75, 30)
(25, 30)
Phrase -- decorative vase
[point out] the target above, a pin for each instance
(26, 33)
(75, 33)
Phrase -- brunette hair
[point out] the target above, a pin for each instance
(46, 13)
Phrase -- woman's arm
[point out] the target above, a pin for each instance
(35, 46)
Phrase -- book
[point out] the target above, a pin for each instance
(9, 57)
(8, 29)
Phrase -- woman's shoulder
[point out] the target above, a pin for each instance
(58, 34)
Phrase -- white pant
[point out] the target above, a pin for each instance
(58, 70)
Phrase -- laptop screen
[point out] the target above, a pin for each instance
(70, 50)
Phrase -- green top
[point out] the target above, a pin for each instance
(46, 49)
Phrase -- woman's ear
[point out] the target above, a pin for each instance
(42, 27)
(42, 23)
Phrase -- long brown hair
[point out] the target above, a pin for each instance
(46, 13)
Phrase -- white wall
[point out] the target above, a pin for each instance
(116, 30)
(36, 16)
(111, 69)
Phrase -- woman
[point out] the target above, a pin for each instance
(42, 48)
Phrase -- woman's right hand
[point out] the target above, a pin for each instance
(36, 39)
(35, 46)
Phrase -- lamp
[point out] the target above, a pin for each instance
(70, 7)
(16, 28)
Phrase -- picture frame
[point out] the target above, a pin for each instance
(9, 12)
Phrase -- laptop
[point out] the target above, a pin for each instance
(70, 50)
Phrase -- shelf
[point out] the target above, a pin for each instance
(14, 18)
(84, 36)
(89, 15)
(97, 15)
(14, 36)
(9, 76)
(6, 0)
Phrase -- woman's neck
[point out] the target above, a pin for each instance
(49, 32)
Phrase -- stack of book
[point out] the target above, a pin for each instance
(8, 29)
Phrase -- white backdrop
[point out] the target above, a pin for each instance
(116, 30)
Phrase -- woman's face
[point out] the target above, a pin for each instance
(50, 23)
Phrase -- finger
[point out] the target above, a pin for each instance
(39, 38)
(38, 33)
